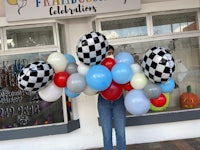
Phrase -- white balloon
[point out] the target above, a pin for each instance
(50, 93)
(83, 69)
(89, 91)
(139, 81)
(136, 68)
(58, 61)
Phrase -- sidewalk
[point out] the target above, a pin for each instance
(185, 144)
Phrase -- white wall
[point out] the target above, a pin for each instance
(89, 135)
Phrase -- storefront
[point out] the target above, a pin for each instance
(173, 24)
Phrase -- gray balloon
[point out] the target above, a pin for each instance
(76, 83)
(152, 90)
(71, 68)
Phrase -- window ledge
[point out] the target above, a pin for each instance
(171, 115)
(39, 131)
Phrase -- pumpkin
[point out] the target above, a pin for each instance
(189, 99)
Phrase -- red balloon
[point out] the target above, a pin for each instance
(60, 79)
(113, 92)
(127, 86)
(108, 63)
(159, 101)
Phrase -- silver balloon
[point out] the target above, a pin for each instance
(71, 68)
(76, 83)
(152, 90)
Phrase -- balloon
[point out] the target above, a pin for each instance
(71, 94)
(76, 83)
(57, 61)
(71, 68)
(108, 63)
(136, 102)
(164, 107)
(91, 49)
(152, 90)
(159, 101)
(98, 77)
(70, 58)
(158, 64)
(127, 86)
(35, 76)
(51, 92)
(136, 68)
(124, 57)
(122, 73)
(83, 69)
(139, 81)
(60, 79)
(112, 93)
(167, 86)
(89, 91)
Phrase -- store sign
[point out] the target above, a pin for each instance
(17, 10)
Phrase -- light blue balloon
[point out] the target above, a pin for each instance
(121, 73)
(124, 57)
(70, 58)
(71, 94)
(168, 86)
(98, 77)
(136, 102)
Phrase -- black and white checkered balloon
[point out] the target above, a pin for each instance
(92, 48)
(158, 64)
(35, 76)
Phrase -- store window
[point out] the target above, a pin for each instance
(29, 36)
(124, 28)
(21, 111)
(172, 23)
(185, 49)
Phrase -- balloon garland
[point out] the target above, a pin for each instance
(147, 86)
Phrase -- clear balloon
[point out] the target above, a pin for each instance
(139, 81)
(136, 68)
(76, 83)
(122, 73)
(152, 90)
(124, 57)
(168, 86)
(57, 61)
(51, 92)
(72, 68)
(136, 102)
(98, 77)
(83, 69)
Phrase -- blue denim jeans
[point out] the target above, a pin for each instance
(110, 111)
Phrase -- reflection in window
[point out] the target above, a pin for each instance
(20, 108)
(186, 53)
(29, 37)
(124, 28)
(172, 23)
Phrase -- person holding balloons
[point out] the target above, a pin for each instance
(109, 111)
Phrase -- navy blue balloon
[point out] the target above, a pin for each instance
(98, 77)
